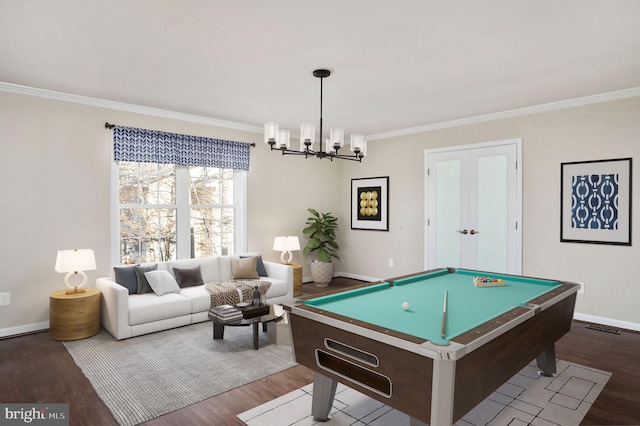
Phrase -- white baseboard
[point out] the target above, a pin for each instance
(358, 277)
(607, 321)
(28, 328)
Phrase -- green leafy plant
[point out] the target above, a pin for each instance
(321, 229)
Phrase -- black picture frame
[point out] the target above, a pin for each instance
(595, 202)
(370, 203)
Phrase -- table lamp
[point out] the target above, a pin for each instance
(75, 262)
(286, 245)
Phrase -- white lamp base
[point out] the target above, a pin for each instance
(77, 288)
(284, 255)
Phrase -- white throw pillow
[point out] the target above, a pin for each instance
(162, 282)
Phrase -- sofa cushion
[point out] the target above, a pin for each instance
(143, 284)
(244, 269)
(188, 277)
(162, 282)
(209, 267)
(148, 307)
(126, 277)
(259, 265)
(199, 297)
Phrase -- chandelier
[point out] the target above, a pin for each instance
(279, 139)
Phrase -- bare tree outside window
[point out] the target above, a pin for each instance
(212, 211)
(147, 193)
(149, 211)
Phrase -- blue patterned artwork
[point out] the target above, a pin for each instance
(594, 201)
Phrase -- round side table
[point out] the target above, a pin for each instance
(74, 316)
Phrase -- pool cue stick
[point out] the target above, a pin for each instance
(444, 315)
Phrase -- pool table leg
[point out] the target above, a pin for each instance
(442, 392)
(324, 390)
(546, 361)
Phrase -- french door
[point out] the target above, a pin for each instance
(473, 210)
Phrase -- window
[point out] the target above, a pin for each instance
(147, 211)
(176, 196)
(211, 211)
(164, 212)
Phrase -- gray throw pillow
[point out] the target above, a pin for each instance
(126, 277)
(143, 284)
(188, 277)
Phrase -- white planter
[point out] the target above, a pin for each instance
(321, 273)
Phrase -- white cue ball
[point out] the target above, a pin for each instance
(405, 306)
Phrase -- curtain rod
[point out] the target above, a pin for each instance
(107, 125)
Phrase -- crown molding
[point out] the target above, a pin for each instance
(120, 106)
(587, 100)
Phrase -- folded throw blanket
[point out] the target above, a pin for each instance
(232, 292)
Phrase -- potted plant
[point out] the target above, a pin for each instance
(321, 229)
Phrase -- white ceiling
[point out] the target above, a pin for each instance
(395, 64)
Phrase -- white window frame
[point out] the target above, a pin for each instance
(183, 229)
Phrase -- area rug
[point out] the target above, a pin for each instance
(526, 399)
(147, 376)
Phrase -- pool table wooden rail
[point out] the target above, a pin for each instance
(329, 291)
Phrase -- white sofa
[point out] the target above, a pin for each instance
(127, 315)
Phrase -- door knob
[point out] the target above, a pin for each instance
(464, 231)
(473, 232)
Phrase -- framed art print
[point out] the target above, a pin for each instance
(595, 202)
(370, 203)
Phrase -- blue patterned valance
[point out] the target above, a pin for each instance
(152, 146)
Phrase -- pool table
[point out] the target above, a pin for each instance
(434, 359)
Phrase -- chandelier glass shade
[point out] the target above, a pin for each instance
(280, 140)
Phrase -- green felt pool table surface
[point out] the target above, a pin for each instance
(467, 306)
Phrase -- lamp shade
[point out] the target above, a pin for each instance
(286, 244)
(75, 260)
(283, 141)
(307, 135)
(271, 132)
(336, 137)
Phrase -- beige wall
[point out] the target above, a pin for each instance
(55, 175)
(599, 131)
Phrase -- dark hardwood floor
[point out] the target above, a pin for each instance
(36, 369)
